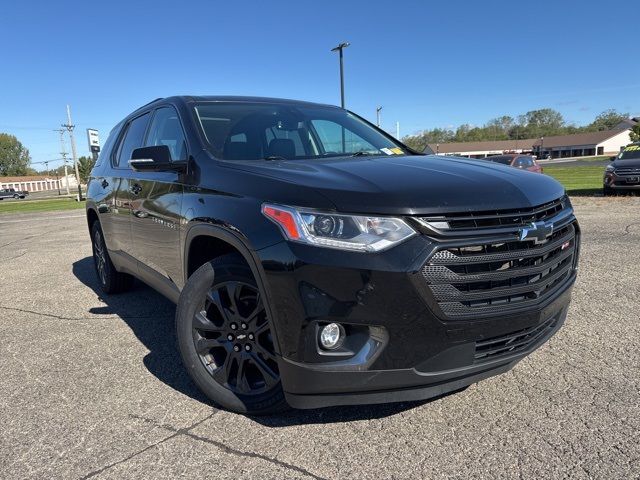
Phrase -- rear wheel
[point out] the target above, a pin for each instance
(224, 337)
(111, 281)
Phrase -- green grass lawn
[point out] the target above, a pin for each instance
(48, 205)
(579, 180)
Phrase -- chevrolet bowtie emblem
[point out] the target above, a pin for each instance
(537, 231)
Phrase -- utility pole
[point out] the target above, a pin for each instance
(339, 49)
(378, 110)
(64, 158)
(69, 126)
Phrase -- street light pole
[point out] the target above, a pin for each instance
(378, 110)
(339, 49)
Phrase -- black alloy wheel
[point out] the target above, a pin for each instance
(99, 256)
(110, 280)
(232, 337)
(225, 338)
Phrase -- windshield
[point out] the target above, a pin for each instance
(632, 151)
(253, 131)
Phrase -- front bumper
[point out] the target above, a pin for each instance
(621, 182)
(404, 348)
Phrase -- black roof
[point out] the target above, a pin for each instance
(232, 98)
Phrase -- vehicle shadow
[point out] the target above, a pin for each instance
(151, 318)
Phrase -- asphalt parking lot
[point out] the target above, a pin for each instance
(92, 386)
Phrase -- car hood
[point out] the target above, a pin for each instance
(632, 162)
(411, 184)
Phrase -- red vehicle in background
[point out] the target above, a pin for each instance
(523, 162)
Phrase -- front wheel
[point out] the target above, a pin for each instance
(225, 340)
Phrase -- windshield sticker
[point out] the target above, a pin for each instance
(388, 151)
(397, 151)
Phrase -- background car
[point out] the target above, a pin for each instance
(524, 162)
(623, 173)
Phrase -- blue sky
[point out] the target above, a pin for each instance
(429, 64)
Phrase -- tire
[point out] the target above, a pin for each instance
(220, 309)
(110, 280)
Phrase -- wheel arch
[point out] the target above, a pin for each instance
(227, 242)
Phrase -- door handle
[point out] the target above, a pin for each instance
(104, 184)
(136, 188)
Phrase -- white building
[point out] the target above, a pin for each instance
(39, 183)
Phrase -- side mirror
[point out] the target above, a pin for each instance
(611, 159)
(154, 159)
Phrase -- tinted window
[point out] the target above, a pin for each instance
(501, 159)
(251, 131)
(167, 130)
(132, 139)
(105, 152)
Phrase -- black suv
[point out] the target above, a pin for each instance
(317, 261)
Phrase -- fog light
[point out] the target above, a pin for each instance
(331, 336)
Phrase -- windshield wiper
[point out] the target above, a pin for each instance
(362, 153)
(274, 157)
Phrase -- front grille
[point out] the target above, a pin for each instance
(494, 219)
(488, 277)
(627, 171)
(497, 347)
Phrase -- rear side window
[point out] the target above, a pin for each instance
(166, 130)
(133, 139)
(108, 145)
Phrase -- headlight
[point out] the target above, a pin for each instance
(609, 168)
(345, 232)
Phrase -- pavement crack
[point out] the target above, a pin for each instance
(14, 257)
(226, 449)
(61, 317)
(175, 433)
(51, 315)
(627, 229)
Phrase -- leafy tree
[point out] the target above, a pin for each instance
(543, 122)
(533, 124)
(85, 164)
(14, 157)
(635, 133)
(421, 139)
(607, 120)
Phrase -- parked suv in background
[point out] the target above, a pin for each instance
(524, 162)
(623, 173)
(12, 193)
(317, 261)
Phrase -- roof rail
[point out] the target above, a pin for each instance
(147, 104)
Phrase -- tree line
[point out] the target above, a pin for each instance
(534, 124)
